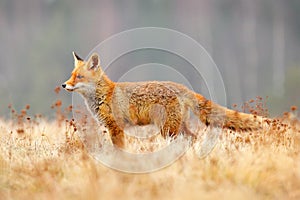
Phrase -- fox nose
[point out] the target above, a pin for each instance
(63, 85)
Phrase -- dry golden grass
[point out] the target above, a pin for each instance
(46, 160)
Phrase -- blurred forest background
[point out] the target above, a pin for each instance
(255, 44)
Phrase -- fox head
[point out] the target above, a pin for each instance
(84, 75)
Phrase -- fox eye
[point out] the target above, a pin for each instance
(79, 76)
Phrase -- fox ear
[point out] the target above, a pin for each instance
(76, 58)
(94, 62)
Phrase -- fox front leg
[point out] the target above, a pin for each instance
(117, 137)
(116, 133)
(115, 129)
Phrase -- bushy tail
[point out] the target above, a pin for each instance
(242, 121)
(213, 114)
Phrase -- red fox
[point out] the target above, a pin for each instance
(118, 105)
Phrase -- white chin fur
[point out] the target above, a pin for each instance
(81, 88)
(69, 88)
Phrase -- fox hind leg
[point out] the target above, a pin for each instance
(171, 126)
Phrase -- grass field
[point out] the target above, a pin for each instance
(41, 159)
